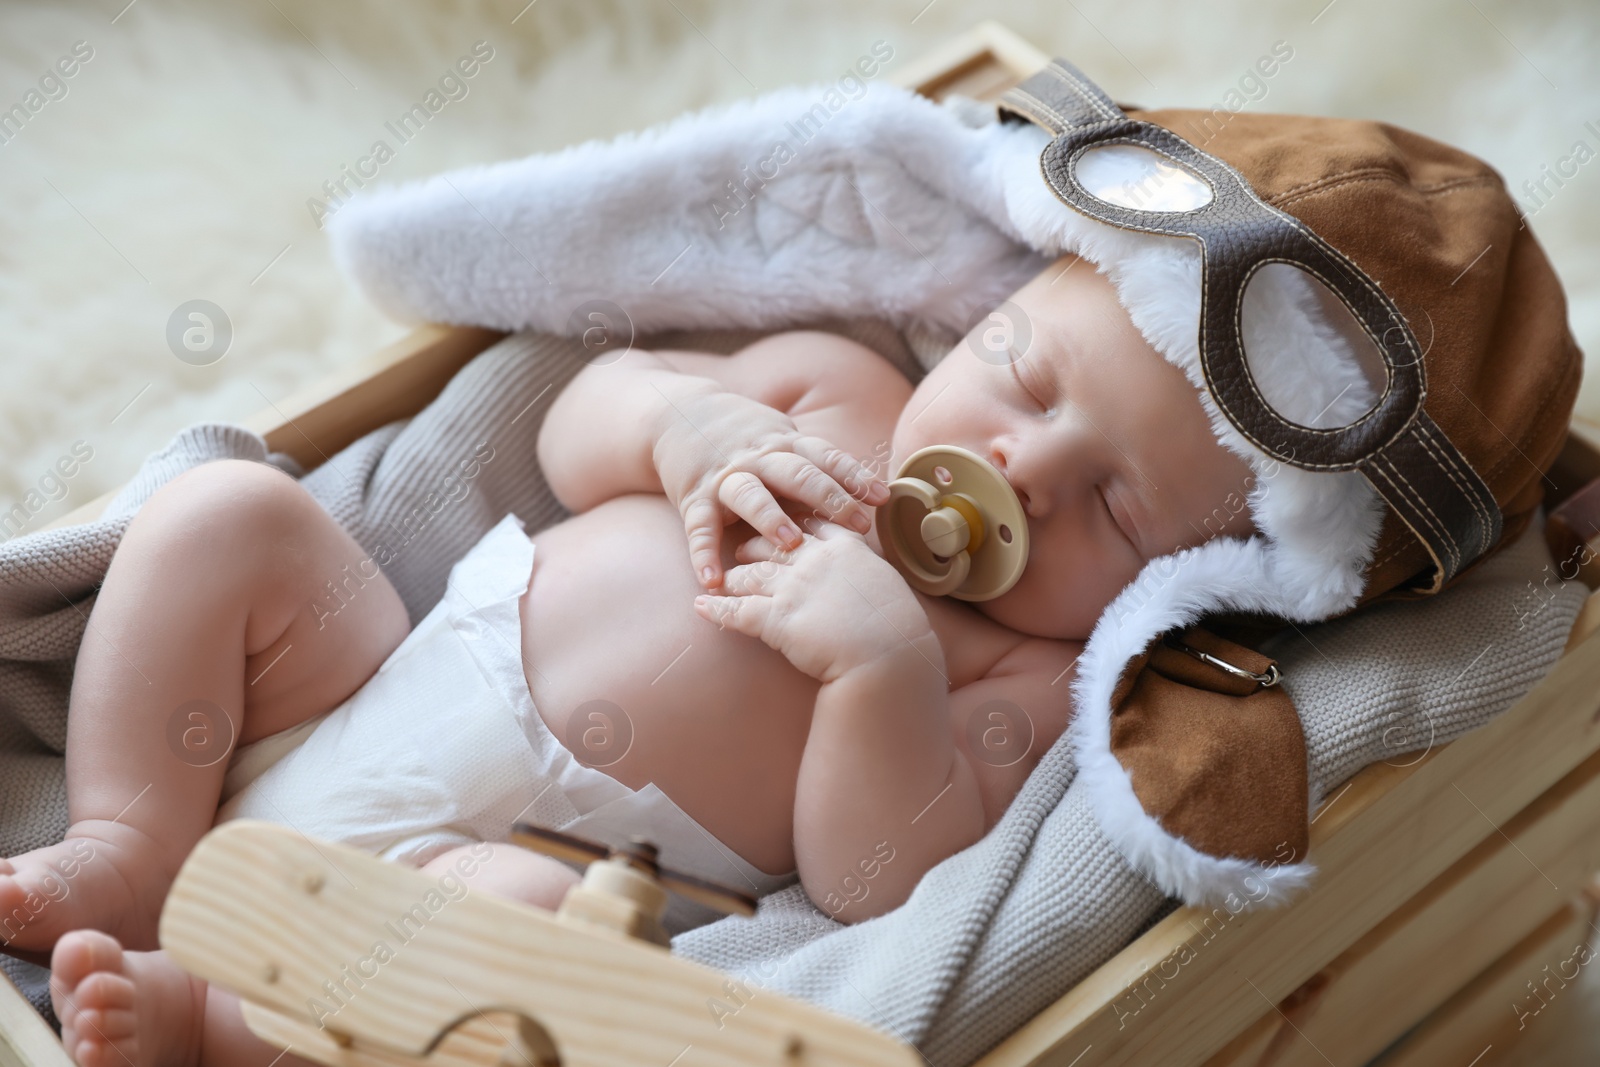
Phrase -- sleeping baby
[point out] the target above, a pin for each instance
(781, 701)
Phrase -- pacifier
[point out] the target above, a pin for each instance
(953, 526)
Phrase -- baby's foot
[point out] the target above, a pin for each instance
(104, 876)
(124, 1009)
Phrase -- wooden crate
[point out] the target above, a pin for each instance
(1475, 914)
(1440, 882)
(1495, 1007)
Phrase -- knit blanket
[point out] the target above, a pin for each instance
(991, 935)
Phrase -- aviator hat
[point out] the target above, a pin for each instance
(1365, 316)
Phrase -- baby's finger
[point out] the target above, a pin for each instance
(748, 497)
(752, 579)
(747, 614)
(756, 549)
(798, 478)
(703, 527)
(857, 479)
(824, 530)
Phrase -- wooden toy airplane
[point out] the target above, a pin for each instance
(350, 960)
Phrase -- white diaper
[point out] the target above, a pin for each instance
(443, 747)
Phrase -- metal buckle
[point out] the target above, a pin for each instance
(1266, 680)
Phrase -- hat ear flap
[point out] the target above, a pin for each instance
(1216, 757)
(759, 213)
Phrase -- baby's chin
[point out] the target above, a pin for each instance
(1032, 611)
(902, 442)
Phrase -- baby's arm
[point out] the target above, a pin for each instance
(715, 445)
(883, 793)
(597, 437)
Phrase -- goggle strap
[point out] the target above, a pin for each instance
(1058, 98)
(1414, 466)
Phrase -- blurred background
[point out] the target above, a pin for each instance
(175, 163)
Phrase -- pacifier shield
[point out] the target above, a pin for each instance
(953, 526)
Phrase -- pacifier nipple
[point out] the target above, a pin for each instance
(953, 526)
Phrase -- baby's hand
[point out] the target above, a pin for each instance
(829, 605)
(723, 456)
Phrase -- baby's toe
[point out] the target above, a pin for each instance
(96, 1051)
(105, 993)
(82, 953)
(12, 898)
(100, 1027)
(93, 998)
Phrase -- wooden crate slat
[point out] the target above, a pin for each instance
(26, 1040)
(1482, 1018)
(981, 63)
(314, 423)
(1423, 953)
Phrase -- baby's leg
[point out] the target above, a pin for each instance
(507, 871)
(216, 625)
(139, 1009)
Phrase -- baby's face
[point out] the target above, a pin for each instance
(1103, 440)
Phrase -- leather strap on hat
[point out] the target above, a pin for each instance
(1396, 445)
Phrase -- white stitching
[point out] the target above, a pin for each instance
(1049, 110)
(1035, 110)
(1336, 181)
(1060, 120)
(1471, 486)
(1422, 512)
(1410, 524)
(1448, 464)
(1089, 96)
(1471, 498)
(1425, 510)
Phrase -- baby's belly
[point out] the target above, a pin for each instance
(612, 646)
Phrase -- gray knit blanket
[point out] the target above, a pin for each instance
(992, 935)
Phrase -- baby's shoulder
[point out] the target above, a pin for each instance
(1007, 720)
(841, 366)
(1036, 658)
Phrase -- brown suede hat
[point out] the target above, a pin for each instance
(1372, 326)
(1437, 230)
(1365, 319)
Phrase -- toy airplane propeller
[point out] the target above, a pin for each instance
(631, 870)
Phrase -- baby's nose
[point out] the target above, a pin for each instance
(999, 460)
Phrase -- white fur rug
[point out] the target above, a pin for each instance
(177, 161)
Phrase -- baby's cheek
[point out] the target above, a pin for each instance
(1058, 597)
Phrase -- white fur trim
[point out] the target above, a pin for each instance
(925, 215)
(1171, 592)
(648, 221)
